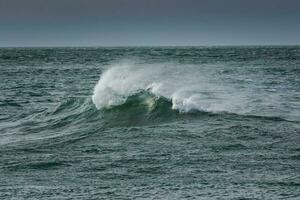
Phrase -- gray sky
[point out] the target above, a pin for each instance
(148, 22)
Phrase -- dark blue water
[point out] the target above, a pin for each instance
(150, 123)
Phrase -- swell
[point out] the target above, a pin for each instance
(77, 118)
(141, 109)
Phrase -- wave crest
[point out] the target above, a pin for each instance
(184, 86)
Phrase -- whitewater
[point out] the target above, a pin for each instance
(188, 87)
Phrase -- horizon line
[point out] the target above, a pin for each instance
(149, 46)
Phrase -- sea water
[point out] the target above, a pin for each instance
(150, 123)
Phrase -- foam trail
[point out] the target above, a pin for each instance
(188, 87)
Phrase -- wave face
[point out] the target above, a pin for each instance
(163, 123)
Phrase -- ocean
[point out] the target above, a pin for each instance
(150, 123)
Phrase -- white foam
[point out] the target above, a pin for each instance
(188, 87)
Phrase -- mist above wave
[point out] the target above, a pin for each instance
(188, 87)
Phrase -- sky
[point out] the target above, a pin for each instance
(149, 22)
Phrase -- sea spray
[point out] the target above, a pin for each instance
(188, 87)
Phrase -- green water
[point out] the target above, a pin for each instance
(150, 123)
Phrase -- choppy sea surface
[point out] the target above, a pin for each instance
(150, 123)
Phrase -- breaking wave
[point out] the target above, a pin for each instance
(187, 88)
